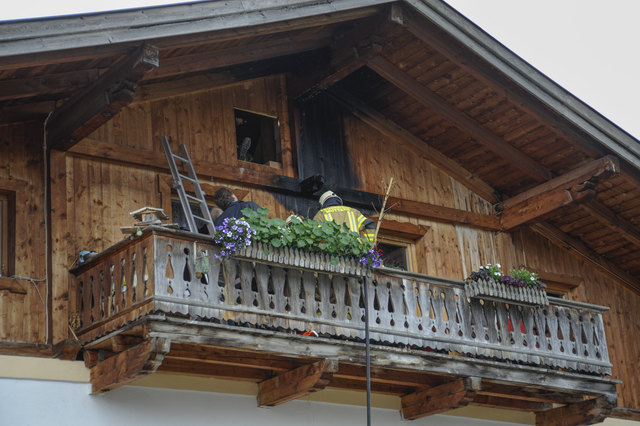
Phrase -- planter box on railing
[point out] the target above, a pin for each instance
(298, 258)
(498, 291)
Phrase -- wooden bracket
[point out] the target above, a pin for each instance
(296, 383)
(548, 198)
(129, 365)
(81, 115)
(581, 413)
(445, 397)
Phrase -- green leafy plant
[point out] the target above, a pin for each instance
(310, 235)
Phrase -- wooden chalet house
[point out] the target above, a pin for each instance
(492, 163)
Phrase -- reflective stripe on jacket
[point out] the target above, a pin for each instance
(347, 215)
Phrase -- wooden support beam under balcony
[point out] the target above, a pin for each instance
(128, 365)
(588, 412)
(98, 103)
(296, 383)
(438, 399)
(546, 199)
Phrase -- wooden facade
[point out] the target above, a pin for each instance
(489, 166)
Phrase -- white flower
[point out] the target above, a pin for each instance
(498, 265)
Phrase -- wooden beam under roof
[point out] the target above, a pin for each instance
(581, 413)
(547, 198)
(349, 52)
(438, 399)
(47, 85)
(129, 365)
(217, 59)
(600, 168)
(439, 106)
(115, 89)
(296, 383)
(419, 147)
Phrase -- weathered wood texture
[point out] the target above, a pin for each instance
(203, 121)
(23, 300)
(431, 314)
(296, 383)
(445, 250)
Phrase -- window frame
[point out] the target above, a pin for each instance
(10, 190)
(407, 243)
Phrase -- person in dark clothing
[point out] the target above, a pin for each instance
(231, 207)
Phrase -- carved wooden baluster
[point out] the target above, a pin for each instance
(309, 288)
(337, 298)
(412, 317)
(530, 338)
(145, 274)
(101, 289)
(323, 306)
(357, 305)
(599, 342)
(134, 278)
(397, 302)
(262, 298)
(453, 324)
(113, 293)
(278, 278)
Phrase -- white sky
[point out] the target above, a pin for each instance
(589, 47)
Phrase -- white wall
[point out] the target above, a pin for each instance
(39, 402)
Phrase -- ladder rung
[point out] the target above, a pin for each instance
(184, 160)
(195, 216)
(191, 197)
(187, 178)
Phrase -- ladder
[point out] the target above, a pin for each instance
(190, 176)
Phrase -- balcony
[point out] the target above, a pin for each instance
(162, 302)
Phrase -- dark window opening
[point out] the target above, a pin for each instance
(257, 138)
(177, 216)
(394, 256)
(7, 233)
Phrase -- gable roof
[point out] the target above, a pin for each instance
(416, 70)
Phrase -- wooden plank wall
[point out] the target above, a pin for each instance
(22, 301)
(101, 194)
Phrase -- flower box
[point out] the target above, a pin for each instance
(490, 289)
(303, 259)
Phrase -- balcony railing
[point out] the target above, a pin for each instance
(176, 273)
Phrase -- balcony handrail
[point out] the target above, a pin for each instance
(157, 272)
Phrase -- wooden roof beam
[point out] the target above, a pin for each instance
(129, 365)
(419, 147)
(547, 198)
(438, 399)
(206, 61)
(296, 383)
(349, 52)
(115, 89)
(582, 413)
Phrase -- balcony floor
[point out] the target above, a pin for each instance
(203, 348)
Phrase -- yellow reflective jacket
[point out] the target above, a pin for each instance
(347, 215)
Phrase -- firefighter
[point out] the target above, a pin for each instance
(332, 209)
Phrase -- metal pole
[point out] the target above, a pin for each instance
(368, 354)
